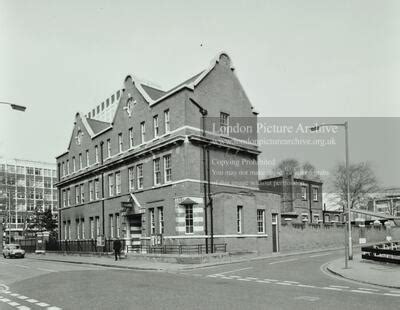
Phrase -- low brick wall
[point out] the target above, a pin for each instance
(299, 237)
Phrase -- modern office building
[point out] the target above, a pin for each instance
(24, 186)
(180, 163)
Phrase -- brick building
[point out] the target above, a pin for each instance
(301, 198)
(147, 171)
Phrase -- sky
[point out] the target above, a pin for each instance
(318, 59)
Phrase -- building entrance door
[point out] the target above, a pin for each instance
(275, 233)
(135, 230)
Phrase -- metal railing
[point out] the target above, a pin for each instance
(177, 249)
(386, 252)
(81, 246)
(29, 245)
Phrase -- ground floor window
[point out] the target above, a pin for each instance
(152, 221)
(261, 221)
(189, 219)
(160, 220)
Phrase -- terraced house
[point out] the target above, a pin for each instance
(145, 161)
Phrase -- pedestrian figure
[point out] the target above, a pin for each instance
(117, 248)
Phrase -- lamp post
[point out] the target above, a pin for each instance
(20, 108)
(348, 239)
(14, 106)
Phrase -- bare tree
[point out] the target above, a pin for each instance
(362, 183)
(293, 167)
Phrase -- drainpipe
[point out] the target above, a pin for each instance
(204, 148)
(59, 201)
(102, 189)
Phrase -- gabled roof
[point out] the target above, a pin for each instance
(96, 125)
(153, 93)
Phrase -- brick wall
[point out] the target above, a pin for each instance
(294, 237)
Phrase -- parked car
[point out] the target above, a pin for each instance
(13, 250)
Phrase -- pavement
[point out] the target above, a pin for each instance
(386, 275)
(298, 281)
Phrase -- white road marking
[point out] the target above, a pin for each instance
(23, 308)
(13, 303)
(236, 270)
(319, 255)
(308, 298)
(368, 289)
(42, 304)
(226, 278)
(331, 288)
(44, 269)
(240, 279)
(358, 291)
(54, 308)
(6, 299)
(291, 282)
(305, 285)
(235, 276)
(283, 283)
(396, 292)
(271, 280)
(14, 294)
(262, 281)
(389, 294)
(339, 286)
(22, 297)
(250, 278)
(33, 301)
(283, 261)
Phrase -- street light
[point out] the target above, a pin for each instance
(348, 241)
(14, 106)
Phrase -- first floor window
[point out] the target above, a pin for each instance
(189, 219)
(110, 185)
(96, 189)
(108, 148)
(239, 215)
(68, 197)
(167, 169)
(91, 191)
(131, 141)
(157, 171)
(118, 182)
(77, 195)
(142, 132)
(315, 193)
(304, 192)
(166, 121)
(155, 126)
(139, 175)
(261, 221)
(131, 179)
(87, 158)
(160, 220)
(152, 222)
(96, 153)
(82, 190)
(64, 198)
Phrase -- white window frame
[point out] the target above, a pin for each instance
(161, 220)
(155, 126)
(143, 132)
(152, 221)
(120, 143)
(96, 189)
(82, 192)
(80, 161)
(91, 227)
(315, 193)
(87, 158)
(304, 192)
(261, 221)
(117, 224)
(111, 185)
(167, 168)
(224, 122)
(68, 197)
(167, 127)
(139, 176)
(131, 139)
(91, 190)
(77, 194)
(82, 222)
(112, 227)
(131, 178)
(189, 219)
(67, 164)
(73, 164)
(108, 148)
(156, 171)
(97, 218)
(78, 229)
(118, 182)
(96, 151)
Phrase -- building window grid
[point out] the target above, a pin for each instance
(160, 220)
(131, 178)
(108, 148)
(87, 158)
(67, 166)
(91, 227)
(118, 182)
(167, 169)
(139, 175)
(189, 219)
(152, 222)
(304, 192)
(96, 189)
(120, 143)
(77, 195)
(315, 193)
(118, 224)
(73, 164)
(155, 126)
(80, 161)
(82, 192)
(261, 221)
(97, 226)
(166, 121)
(142, 132)
(83, 228)
(157, 171)
(111, 226)
(96, 152)
(131, 141)
(91, 191)
(224, 122)
(110, 185)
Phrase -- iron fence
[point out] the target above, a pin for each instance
(81, 246)
(177, 249)
(29, 245)
(387, 252)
